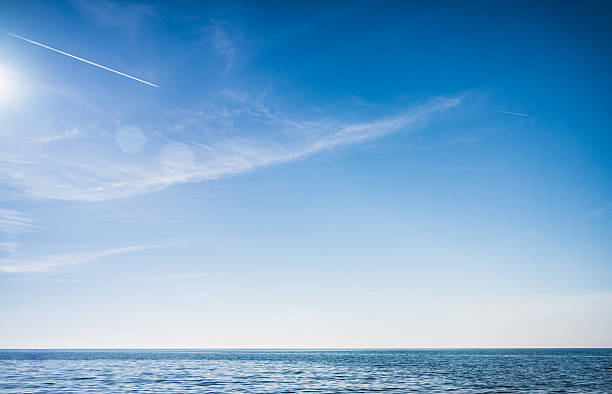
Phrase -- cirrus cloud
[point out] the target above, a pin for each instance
(220, 140)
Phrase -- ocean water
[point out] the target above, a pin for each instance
(321, 371)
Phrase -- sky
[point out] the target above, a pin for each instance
(305, 175)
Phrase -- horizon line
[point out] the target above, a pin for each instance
(315, 348)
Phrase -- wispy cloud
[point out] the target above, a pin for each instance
(15, 260)
(46, 263)
(224, 44)
(14, 223)
(127, 15)
(207, 146)
(69, 133)
(10, 248)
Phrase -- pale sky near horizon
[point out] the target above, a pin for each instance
(348, 174)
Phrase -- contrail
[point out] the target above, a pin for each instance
(510, 113)
(78, 58)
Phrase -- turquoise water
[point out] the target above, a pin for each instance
(290, 371)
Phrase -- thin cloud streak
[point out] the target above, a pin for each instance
(46, 263)
(81, 59)
(510, 113)
(601, 210)
(69, 133)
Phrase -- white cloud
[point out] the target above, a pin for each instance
(221, 139)
(45, 263)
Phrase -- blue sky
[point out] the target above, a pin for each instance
(306, 175)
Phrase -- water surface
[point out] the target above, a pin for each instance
(290, 371)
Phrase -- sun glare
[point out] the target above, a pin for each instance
(3, 81)
(5, 84)
(9, 94)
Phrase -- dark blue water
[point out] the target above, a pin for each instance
(392, 371)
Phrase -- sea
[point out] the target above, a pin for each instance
(307, 371)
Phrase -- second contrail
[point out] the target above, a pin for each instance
(511, 113)
(78, 58)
